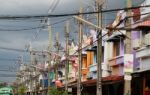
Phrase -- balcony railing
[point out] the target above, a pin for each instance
(93, 67)
(143, 52)
(116, 60)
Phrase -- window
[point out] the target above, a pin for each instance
(90, 55)
(116, 49)
(95, 57)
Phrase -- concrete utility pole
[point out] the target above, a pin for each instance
(32, 63)
(49, 55)
(128, 49)
(80, 34)
(35, 70)
(99, 44)
(34, 74)
(67, 55)
(57, 59)
(99, 48)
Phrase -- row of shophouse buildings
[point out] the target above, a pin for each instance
(115, 62)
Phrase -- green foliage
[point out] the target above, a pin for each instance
(65, 93)
(55, 91)
(85, 93)
(3, 84)
(22, 90)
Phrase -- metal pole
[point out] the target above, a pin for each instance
(49, 55)
(99, 50)
(31, 53)
(79, 56)
(57, 60)
(35, 81)
(67, 55)
(128, 23)
(127, 85)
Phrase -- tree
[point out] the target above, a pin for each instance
(22, 90)
(55, 91)
(3, 84)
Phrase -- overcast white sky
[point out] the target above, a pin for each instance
(18, 39)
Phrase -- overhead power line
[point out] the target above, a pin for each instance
(13, 49)
(121, 28)
(58, 22)
(55, 5)
(7, 70)
(32, 28)
(15, 60)
(68, 14)
(6, 59)
(7, 75)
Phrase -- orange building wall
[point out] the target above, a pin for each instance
(90, 56)
(84, 62)
(84, 68)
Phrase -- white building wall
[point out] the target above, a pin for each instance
(107, 55)
(145, 63)
(110, 50)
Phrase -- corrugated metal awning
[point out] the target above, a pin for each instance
(115, 37)
(145, 23)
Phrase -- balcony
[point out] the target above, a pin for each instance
(144, 55)
(116, 60)
(84, 71)
(143, 52)
(93, 70)
(93, 67)
(71, 77)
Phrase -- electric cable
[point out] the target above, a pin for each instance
(52, 4)
(13, 49)
(32, 28)
(56, 4)
(103, 36)
(68, 14)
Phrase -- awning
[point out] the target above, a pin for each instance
(141, 71)
(115, 37)
(143, 24)
(113, 78)
(105, 80)
(94, 48)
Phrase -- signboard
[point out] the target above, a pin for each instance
(128, 77)
(4, 90)
(69, 89)
(128, 63)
